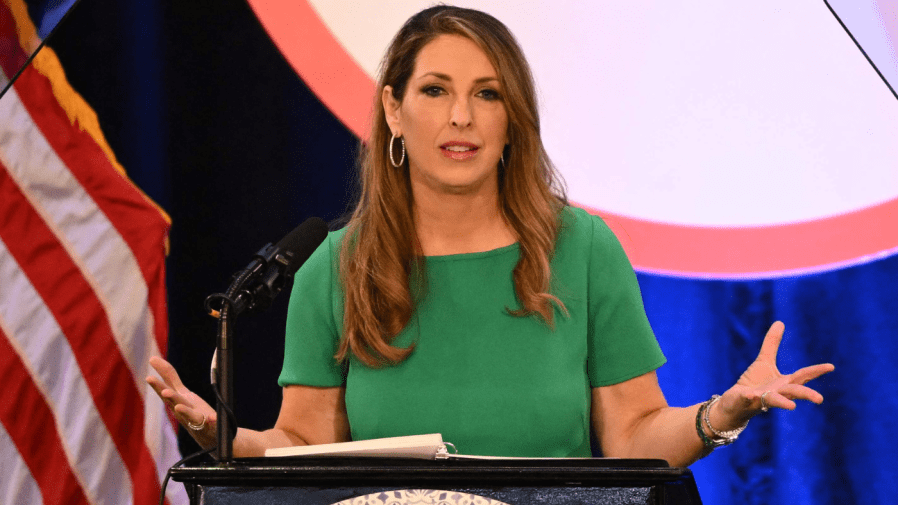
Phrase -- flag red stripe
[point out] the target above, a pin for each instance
(140, 224)
(83, 320)
(12, 57)
(22, 409)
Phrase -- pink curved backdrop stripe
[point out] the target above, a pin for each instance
(787, 249)
(716, 252)
(320, 60)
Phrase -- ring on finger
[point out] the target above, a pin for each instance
(764, 406)
(197, 427)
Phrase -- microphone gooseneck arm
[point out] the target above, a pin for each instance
(253, 288)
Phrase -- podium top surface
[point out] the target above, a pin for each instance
(325, 471)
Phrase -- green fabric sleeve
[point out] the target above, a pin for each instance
(314, 321)
(621, 342)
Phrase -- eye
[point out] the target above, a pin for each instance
(432, 90)
(489, 94)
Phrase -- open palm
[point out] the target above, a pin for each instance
(187, 406)
(763, 378)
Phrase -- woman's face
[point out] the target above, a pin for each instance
(453, 118)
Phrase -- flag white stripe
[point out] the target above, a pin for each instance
(42, 346)
(95, 246)
(15, 479)
(163, 445)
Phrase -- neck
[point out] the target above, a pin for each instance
(448, 223)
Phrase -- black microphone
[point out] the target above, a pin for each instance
(263, 278)
(253, 288)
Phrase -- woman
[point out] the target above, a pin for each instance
(465, 298)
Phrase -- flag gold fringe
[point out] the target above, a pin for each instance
(80, 114)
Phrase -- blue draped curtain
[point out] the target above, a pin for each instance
(838, 452)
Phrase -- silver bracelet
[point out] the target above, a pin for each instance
(723, 437)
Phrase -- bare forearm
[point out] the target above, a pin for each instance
(251, 444)
(309, 416)
(669, 434)
(632, 418)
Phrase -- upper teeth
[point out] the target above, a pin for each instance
(459, 148)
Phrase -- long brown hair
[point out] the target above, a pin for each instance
(378, 255)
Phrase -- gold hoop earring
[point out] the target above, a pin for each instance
(390, 149)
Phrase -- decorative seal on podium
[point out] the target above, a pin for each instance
(420, 496)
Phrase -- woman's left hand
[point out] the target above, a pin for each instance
(762, 386)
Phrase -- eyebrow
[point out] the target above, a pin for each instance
(445, 77)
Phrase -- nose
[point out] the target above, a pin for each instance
(461, 116)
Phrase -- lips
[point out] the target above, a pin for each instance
(458, 150)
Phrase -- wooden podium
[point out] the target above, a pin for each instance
(382, 481)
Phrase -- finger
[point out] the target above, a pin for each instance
(187, 415)
(774, 399)
(195, 416)
(809, 373)
(162, 391)
(175, 398)
(167, 372)
(157, 385)
(798, 392)
(771, 343)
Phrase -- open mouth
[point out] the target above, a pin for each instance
(458, 150)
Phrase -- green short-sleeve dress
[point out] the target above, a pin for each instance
(490, 382)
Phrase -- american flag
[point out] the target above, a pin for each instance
(82, 299)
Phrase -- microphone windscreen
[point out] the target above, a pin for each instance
(303, 241)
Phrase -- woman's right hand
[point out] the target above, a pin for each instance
(197, 416)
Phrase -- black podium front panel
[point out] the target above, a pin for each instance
(380, 496)
(369, 481)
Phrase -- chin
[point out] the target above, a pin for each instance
(464, 186)
(457, 178)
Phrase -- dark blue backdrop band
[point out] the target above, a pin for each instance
(833, 453)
